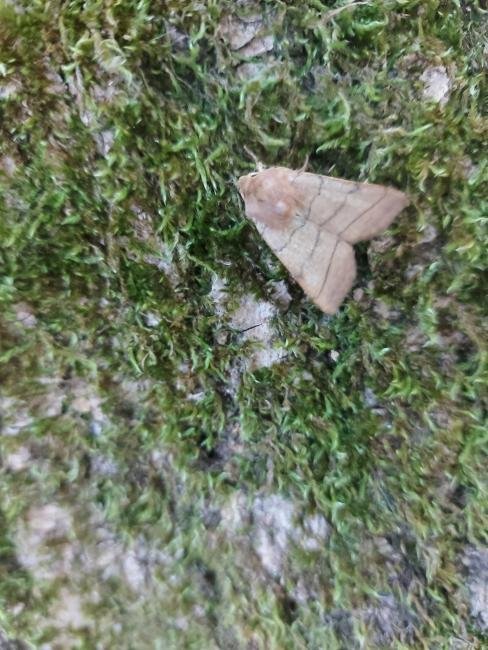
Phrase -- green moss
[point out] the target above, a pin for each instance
(127, 125)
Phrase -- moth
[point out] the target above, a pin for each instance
(311, 223)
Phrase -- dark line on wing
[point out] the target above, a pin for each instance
(296, 176)
(319, 192)
(364, 212)
(317, 236)
(328, 269)
(305, 219)
(290, 237)
(336, 212)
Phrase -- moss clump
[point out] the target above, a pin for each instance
(126, 401)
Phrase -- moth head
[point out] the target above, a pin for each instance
(244, 184)
(270, 197)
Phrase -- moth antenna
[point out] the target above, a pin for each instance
(259, 165)
(305, 164)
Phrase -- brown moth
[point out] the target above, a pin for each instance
(311, 222)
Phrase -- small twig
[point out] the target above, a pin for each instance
(252, 327)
